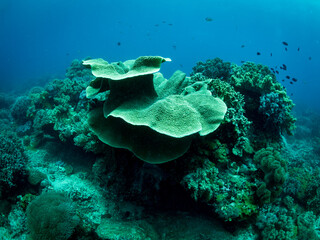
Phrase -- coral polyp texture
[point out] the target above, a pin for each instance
(156, 129)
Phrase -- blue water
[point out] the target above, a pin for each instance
(40, 38)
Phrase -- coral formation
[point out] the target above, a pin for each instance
(133, 109)
(213, 68)
(274, 168)
(256, 82)
(19, 109)
(12, 161)
(276, 222)
(51, 216)
(226, 123)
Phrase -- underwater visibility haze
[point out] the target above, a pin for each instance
(159, 120)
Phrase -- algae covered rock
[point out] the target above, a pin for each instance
(156, 129)
(110, 229)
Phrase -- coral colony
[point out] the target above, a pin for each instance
(114, 149)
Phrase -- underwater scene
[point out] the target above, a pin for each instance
(159, 120)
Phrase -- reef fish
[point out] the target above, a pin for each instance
(208, 19)
(285, 43)
(283, 67)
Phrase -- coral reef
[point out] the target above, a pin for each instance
(261, 90)
(213, 68)
(224, 125)
(61, 109)
(78, 72)
(276, 110)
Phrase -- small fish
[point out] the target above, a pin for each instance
(170, 24)
(242, 61)
(156, 25)
(118, 43)
(298, 49)
(286, 49)
(242, 46)
(294, 79)
(282, 80)
(277, 72)
(287, 77)
(285, 43)
(163, 21)
(208, 19)
(174, 47)
(284, 67)
(291, 94)
(258, 53)
(310, 58)
(181, 65)
(270, 54)
(291, 82)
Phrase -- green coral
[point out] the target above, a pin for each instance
(13, 161)
(61, 110)
(308, 226)
(78, 72)
(276, 222)
(51, 216)
(274, 168)
(236, 126)
(229, 194)
(254, 81)
(213, 68)
(133, 108)
(254, 78)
